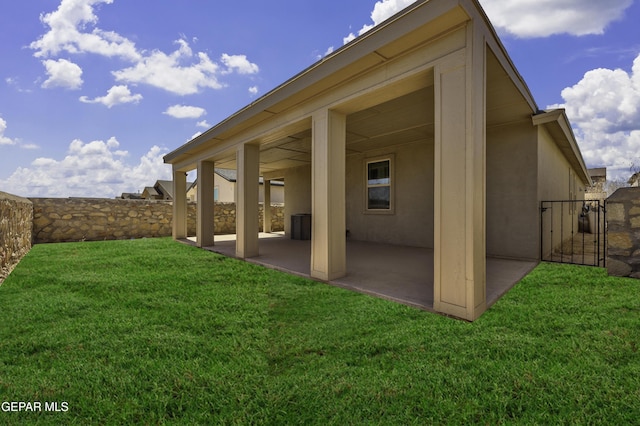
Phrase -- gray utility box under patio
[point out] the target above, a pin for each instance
(301, 227)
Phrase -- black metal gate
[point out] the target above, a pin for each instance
(573, 231)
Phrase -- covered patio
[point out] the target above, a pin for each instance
(416, 149)
(399, 273)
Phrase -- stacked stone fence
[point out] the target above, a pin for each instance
(93, 219)
(16, 218)
(623, 233)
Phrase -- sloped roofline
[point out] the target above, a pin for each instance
(557, 122)
(341, 57)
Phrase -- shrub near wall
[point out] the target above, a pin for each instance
(16, 215)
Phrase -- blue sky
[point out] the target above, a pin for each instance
(94, 92)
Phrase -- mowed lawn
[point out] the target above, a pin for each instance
(156, 332)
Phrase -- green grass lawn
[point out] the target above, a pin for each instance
(156, 332)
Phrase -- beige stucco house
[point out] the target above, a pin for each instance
(420, 133)
(224, 188)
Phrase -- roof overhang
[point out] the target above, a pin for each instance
(396, 35)
(557, 124)
(417, 25)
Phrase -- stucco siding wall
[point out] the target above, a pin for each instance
(512, 206)
(411, 223)
(554, 171)
(226, 189)
(277, 194)
(555, 183)
(297, 194)
(227, 192)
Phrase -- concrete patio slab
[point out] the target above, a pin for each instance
(398, 273)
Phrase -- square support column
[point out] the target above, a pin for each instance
(179, 225)
(247, 201)
(206, 204)
(460, 187)
(266, 214)
(328, 204)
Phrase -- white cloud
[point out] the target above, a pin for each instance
(604, 109)
(184, 111)
(345, 40)
(62, 73)
(203, 124)
(4, 140)
(542, 18)
(385, 9)
(15, 83)
(115, 96)
(238, 63)
(526, 18)
(168, 72)
(72, 29)
(382, 10)
(331, 49)
(94, 169)
(65, 35)
(253, 90)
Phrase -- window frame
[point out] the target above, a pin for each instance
(391, 185)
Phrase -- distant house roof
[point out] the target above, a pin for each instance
(600, 172)
(228, 174)
(165, 188)
(131, 196)
(150, 191)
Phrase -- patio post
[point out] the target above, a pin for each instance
(206, 204)
(247, 204)
(179, 225)
(328, 204)
(460, 187)
(266, 214)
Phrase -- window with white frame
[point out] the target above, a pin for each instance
(379, 195)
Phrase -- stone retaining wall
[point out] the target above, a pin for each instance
(623, 236)
(95, 219)
(225, 218)
(16, 217)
